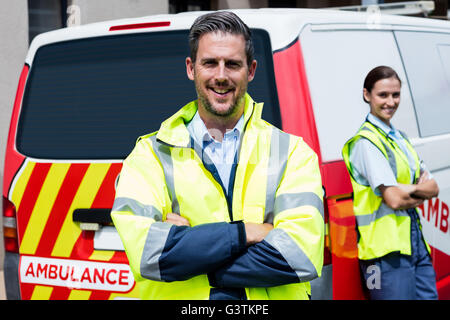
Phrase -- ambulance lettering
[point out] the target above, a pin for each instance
(76, 274)
(435, 221)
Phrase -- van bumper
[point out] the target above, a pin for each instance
(11, 276)
(322, 288)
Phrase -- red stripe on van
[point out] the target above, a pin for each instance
(441, 262)
(60, 208)
(106, 192)
(26, 290)
(294, 96)
(60, 293)
(119, 256)
(30, 196)
(336, 179)
(13, 159)
(100, 295)
(140, 25)
(84, 246)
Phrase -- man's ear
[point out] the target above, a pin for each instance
(190, 68)
(251, 70)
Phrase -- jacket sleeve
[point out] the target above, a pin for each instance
(293, 251)
(158, 250)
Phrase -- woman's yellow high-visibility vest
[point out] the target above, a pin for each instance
(382, 229)
(277, 180)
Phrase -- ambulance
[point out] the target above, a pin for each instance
(87, 92)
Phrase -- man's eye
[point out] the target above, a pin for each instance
(233, 64)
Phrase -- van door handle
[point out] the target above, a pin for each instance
(92, 218)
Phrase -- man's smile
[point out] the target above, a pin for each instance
(221, 90)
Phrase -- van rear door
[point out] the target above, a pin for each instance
(85, 102)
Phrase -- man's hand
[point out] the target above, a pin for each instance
(256, 232)
(177, 220)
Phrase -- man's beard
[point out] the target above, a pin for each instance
(210, 108)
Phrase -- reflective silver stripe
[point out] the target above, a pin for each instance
(293, 200)
(163, 153)
(128, 204)
(153, 248)
(391, 158)
(384, 210)
(279, 152)
(293, 254)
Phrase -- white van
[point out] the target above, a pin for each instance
(86, 93)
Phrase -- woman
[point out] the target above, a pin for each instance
(389, 182)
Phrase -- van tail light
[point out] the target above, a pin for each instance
(10, 237)
(342, 230)
(347, 284)
(327, 246)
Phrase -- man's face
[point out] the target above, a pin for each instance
(221, 73)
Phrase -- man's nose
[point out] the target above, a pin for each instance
(221, 72)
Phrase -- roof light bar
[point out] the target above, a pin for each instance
(140, 25)
(399, 8)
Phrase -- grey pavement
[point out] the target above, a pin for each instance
(2, 287)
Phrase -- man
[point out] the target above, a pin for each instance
(219, 204)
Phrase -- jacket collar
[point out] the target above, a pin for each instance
(173, 131)
(380, 124)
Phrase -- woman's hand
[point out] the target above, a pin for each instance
(424, 176)
(401, 196)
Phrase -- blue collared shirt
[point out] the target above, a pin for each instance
(222, 154)
(369, 164)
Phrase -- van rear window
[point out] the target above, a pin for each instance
(92, 98)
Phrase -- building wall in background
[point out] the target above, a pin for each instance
(15, 36)
(13, 49)
(102, 10)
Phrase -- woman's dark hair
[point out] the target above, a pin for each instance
(379, 73)
(225, 21)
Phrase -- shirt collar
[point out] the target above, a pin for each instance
(200, 132)
(380, 124)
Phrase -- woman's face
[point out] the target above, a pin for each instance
(384, 98)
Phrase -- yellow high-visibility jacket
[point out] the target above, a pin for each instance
(382, 230)
(276, 180)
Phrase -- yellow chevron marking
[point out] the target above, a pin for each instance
(43, 207)
(21, 184)
(41, 293)
(101, 255)
(84, 197)
(79, 295)
(133, 294)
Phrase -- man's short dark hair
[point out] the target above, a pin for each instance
(224, 21)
